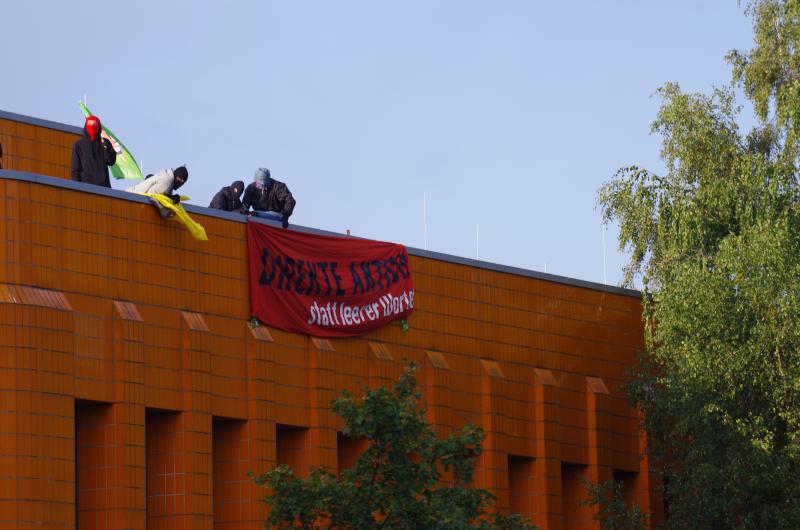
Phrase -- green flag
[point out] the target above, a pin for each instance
(126, 166)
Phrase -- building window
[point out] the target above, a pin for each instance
(573, 490)
(230, 466)
(93, 463)
(520, 485)
(166, 474)
(292, 448)
(349, 450)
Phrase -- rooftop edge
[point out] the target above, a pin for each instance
(7, 174)
(40, 122)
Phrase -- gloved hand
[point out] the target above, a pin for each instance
(285, 221)
(175, 198)
(107, 145)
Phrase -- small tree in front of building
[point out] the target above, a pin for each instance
(613, 512)
(398, 480)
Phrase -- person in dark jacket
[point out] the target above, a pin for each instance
(266, 194)
(228, 197)
(92, 154)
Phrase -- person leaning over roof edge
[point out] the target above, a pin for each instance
(92, 154)
(265, 194)
(164, 182)
(227, 198)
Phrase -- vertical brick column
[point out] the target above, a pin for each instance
(37, 423)
(493, 461)
(179, 444)
(647, 488)
(547, 484)
(127, 417)
(37, 429)
(195, 424)
(260, 419)
(599, 442)
(321, 437)
(383, 371)
(437, 391)
(8, 406)
(124, 447)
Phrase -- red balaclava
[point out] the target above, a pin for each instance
(93, 127)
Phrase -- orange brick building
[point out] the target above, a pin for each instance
(133, 394)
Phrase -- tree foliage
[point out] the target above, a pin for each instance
(715, 240)
(614, 513)
(398, 481)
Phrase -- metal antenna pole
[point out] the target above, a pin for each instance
(477, 243)
(425, 220)
(603, 227)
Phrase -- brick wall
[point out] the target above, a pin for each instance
(125, 348)
(37, 149)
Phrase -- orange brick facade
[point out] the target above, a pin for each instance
(133, 394)
(36, 146)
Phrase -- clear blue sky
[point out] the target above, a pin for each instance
(507, 114)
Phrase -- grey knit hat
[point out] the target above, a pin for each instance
(262, 176)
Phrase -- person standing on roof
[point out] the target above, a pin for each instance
(227, 198)
(92, 154)
(270, 196)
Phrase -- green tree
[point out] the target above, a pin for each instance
(397, 481)
(614, 513)
(715, 240)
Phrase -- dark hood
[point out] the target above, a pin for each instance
(235, 184)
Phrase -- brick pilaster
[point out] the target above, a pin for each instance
(547, 484)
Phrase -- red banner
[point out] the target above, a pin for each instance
(326, 286)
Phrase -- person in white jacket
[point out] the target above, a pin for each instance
(164, 182)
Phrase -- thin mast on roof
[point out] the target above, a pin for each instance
(603, 227)
(477, 243)
(424, 220)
